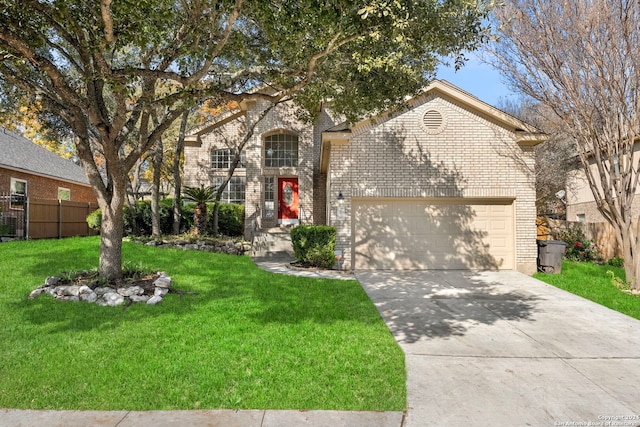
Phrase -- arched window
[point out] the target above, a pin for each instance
(281, 150)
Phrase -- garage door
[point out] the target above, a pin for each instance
(401, 234)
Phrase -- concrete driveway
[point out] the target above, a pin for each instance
(504, 349)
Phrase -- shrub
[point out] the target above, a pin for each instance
(579, 248)
(142, 218)
(94, 219)
(616, 262)
(230, 220)
(314, 245)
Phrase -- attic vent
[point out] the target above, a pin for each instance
(433, 121)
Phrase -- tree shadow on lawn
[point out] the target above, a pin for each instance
(262, 296)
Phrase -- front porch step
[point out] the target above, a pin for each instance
(272, 243)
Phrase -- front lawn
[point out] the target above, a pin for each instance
(592, 282)
(250, 339)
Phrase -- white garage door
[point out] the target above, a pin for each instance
(401, 234)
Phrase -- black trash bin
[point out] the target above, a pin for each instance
(550, 253)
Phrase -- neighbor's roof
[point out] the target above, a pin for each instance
(18, 153)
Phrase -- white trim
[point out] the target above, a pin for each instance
(11, 192)
(64, 189)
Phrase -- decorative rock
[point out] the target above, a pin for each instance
(154, 300)
(113, 299)
(139, 298)
(102, 290)
(90, 297)
(85, 290)
(51, 281)
(163, 281)
(36, 292)
(231, 247)
(160, 292)
(107, 296)
(133, 290)
(68, 290)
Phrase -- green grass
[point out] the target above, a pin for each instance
(249, 339)
(591, 281)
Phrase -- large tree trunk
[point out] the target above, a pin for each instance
(111, 231)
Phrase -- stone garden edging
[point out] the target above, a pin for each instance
(104, 295)
(229, 247)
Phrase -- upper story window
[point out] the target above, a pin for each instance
(281, 150)
(222, 159)
(18, 193)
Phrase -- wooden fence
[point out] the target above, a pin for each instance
(600, 233)
(47, 219)
(58, 218)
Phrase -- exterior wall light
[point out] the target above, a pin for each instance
(340, 197)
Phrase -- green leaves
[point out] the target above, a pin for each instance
(199, 195)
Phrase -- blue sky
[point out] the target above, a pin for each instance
(479, 79)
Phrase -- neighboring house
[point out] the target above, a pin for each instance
(28, 170)
(445, 183)
(581, 205)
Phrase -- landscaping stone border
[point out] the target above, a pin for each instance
(229, 247)
(104, 295)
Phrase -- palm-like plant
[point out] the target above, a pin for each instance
(200, 196)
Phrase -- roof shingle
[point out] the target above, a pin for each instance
(17, 152)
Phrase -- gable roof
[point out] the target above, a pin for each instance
(526, 134)
(20, 154)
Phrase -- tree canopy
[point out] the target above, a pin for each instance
(580, 60)
(119, 73)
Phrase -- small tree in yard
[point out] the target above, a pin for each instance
(200, 196)
(580, 59)
(117, 74)
(556, 158)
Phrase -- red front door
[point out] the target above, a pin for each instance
(288, 201)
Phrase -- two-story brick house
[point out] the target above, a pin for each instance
(444, 183)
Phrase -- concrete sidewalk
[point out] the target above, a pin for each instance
(214, 418)
(504, 349)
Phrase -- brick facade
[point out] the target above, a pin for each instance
(41, 187)
(281, 120)
(471, 157)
